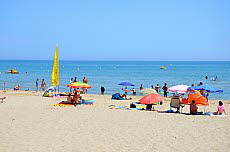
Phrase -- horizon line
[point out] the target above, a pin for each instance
(121, 60)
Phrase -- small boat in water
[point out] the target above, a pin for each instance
(162, 68)
(12, 72)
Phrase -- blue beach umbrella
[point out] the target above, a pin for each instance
(126, 84)
(207, 88)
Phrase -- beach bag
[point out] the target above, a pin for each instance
(132, 105)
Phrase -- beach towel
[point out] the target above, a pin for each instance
(211, 114)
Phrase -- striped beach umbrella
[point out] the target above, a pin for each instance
(78, 85)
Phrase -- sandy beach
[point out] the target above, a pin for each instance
(29, 123)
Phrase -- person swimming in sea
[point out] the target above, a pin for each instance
(214, 79)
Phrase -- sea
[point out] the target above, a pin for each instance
(110, 73)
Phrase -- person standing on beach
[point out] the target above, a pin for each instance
(85, 80)
(141, 87)
(126, 90)
(70, 81)
(134, 91)
(157, 88)
(43, 85)
(102, 90)
(165, 88)
(75, 79)
(37, 85)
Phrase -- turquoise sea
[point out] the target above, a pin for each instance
(110, 73)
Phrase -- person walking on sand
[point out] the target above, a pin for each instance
(43, 85)
(165, 88)
(37, 85)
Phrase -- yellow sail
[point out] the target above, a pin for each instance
(55, 72)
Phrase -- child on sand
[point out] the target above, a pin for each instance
(220, 108)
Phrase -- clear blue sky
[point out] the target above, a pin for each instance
(115, 29)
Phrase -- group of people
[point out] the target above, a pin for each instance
(85, 80)
(76, 99)
(220, 109)
(213, 79)
(43, 85)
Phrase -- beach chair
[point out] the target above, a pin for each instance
(175, 103)
(2, 99)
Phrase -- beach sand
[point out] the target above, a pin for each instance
(28, 122)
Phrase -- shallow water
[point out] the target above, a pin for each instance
(110, 73)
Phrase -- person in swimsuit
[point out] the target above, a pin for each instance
(102, 90)
(37, 85)
(157, 88)
(69, 99)
(193, 108)
(165, 88)
(85, 80)
(200, 84)
(43, 86)
(141, 87)
(75, 79)
(220, 109)
(77, 98)
(134, 91)
(16, 87)
(126, 90)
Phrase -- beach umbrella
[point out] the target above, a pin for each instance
(207, 88)
(78, 85)
(148, 91)
(126, 84)
(180, 89)
(151, 98)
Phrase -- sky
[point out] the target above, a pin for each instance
(139, 30)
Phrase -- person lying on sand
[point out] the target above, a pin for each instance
(124, 96)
